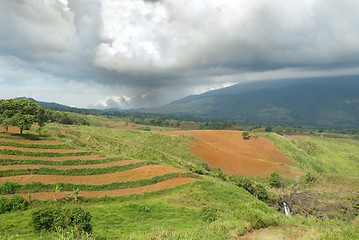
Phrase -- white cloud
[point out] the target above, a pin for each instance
(156, 51)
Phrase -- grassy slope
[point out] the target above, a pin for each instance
(327, 155)
(178, 213)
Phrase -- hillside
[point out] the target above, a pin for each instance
(153, 185)
(325, 102)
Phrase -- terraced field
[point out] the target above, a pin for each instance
(41, 166)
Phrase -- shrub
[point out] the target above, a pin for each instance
(4, 205)
(18, 203)
(8, 187)
(54, 218)
(275, 180)
(310, 177)
(145, 128)
(14, 203)
(259, 220)
(260, 192)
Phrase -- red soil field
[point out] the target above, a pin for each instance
(228, 150)
(143, 172)
(41, 150)
(117, 192)
(64, 167)
(86, 157)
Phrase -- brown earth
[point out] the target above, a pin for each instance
(117, 192)
(64, 167)
(41, 150)
(256, 156)
(86, 157)
(11, 129)
(143, 172)
(24, 141)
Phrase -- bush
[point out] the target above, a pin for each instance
(4, 205)
(18, 203)
(8, 187)
(14, 203)
(259, 220)
(275, 180)
(260, 192)
(54, 218)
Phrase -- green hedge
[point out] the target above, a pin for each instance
(39, 146)
(4, 162)
(71, 172)
(41, 154)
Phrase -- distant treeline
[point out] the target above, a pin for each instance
(65, 118)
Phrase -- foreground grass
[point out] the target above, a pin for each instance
(179, 213)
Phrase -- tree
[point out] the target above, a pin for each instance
(41, 119)
(21, 113)
(279, 130)
(288, 130)
(268, 129)
(245, 135)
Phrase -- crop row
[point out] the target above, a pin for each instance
(39, 146)
(41, 154)
(4, 162)
(41, 187)
(71, 172)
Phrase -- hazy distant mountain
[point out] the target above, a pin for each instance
(330, 101)
(52, 105)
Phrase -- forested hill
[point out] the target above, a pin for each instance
(331, 102)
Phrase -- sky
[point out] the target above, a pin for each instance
(145, 53)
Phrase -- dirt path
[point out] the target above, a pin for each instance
(64, 167)
(228, 150)
(117, 192)
(41, 149)
(143, 172)
(86, 157)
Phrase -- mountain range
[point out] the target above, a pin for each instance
(326, 102)
(330, 102)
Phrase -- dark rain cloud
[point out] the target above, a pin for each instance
(159, 50)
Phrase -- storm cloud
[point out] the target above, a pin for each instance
(141, 53)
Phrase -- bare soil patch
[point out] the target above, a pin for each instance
(117, 192)
(86, 157)
(65, 167)
(11, 129)
(227, 149)
(41, 149)
(143, 172)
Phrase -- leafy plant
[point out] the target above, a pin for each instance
(54, 218)
(9, 187)
(275, 180)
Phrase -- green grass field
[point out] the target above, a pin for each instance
(207, 209)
